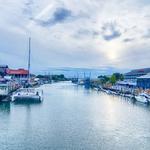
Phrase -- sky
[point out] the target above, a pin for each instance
(75, 33)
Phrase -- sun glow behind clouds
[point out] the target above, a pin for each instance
(82, 33)
(112, 49)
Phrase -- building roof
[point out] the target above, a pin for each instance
(147, 76)
(139, 71)
(126, 83)
(17, 72)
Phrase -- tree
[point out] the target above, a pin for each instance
(113, 79)
(103, 79)
(119, 76)
(62, 76)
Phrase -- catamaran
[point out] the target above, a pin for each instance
(28, 94)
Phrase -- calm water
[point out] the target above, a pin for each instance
(73, 118)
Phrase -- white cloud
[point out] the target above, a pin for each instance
(97, 33)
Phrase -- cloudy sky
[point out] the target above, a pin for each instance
(75, 33)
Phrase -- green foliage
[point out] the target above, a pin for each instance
(103, 79)
(53, 77)
(119, 76)
(58, 77)
(40, 76)
(113, 79)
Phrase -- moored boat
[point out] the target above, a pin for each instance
(147, 96)
(3, 91)
(142, 98)
(28, 95)
(6, 89)
(129, 96)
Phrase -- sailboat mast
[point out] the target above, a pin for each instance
(29, 59)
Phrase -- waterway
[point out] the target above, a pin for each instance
(73, 118)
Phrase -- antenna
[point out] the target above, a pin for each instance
(29, 58)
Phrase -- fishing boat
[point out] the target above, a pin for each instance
(28, 95)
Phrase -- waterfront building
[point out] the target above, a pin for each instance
(134, 74)
(144, 81)
(20, 74)
(125, 86)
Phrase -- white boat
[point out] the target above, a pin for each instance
(6, 89)
(113, 93)
(141, 98)
(107, 91)
(129, 96)
(96, 89)
(3, 91)
(27, 95)
(146, 96)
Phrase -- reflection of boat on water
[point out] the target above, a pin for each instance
(5, 107)
(87, 83)
(28, 94)
(75, 80)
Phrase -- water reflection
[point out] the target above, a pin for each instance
(87, 91)
(27, 102)
(71, 117)
(5, 107)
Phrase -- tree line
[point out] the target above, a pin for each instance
(111, 79)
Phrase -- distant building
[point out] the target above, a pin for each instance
(20, 74)
(134, 74)
(144, 81)
(3, 70)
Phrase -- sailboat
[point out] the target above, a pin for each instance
(28, 94)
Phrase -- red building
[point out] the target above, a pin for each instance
(20, 74)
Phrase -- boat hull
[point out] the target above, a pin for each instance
(26, 99)
(141, 99)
